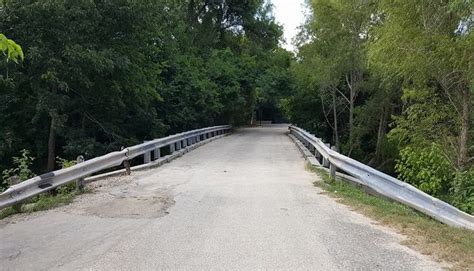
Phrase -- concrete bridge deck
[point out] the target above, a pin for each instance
(243, 202)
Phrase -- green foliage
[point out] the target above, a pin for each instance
(390, 83)
(426, 168)
(462, 190)
(99, 75)
(10, 49)
(64, 163)
(41, 203)
(417, 122)
(21, 168)
(67, 189)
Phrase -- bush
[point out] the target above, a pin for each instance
(21, 168)
(462, 190)
(426, 168)
(70, 187)
(64, 163)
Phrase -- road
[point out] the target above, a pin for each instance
(243, 202)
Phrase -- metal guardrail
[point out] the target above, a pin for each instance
(384, 184)
(39, 184)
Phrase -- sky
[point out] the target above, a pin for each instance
(289, 13)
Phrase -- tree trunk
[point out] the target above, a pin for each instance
(336, 133)
(463, 156)
(352, 80)
(381, 133)
(351, 125)
(51, 145)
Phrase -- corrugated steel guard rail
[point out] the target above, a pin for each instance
(384, 184)
(48, 181)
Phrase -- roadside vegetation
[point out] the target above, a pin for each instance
(62, 196)
(390, 83)
(57, 197)
(99, 75)
(454, 246)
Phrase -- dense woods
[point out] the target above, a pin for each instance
(388, 82)
(99, 75)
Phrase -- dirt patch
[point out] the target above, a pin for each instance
(131, 207)
(123, 198)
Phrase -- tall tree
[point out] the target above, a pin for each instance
(420, 43)
(100, 74)
(337, 34)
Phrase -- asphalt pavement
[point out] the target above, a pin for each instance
(243, 202)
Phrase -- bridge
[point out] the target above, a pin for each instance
(243, 201)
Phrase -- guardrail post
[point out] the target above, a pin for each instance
(332, 167)
(146, 156)
(126, 164)
(325, 161)
(184, 143)
(157, 153)
(178, 145)
(15, 179)
(317, 155)
(80, 181)
(172, 147)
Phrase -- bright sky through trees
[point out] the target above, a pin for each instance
(289, 13)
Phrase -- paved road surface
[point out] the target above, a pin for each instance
(243, 202)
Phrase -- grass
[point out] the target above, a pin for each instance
(452, 245)
(62, 196)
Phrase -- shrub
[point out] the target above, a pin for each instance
(426, 168)
(64, 163)
(67, 188)
(21, 168)
(462, 190)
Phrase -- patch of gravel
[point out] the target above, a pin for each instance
(121, 197)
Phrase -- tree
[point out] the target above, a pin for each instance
(419, 43)
(10, 49)
(100, 74)
(87, 75)
(402, 71)
(337, 35)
